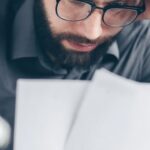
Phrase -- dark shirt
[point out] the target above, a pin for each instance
(128, 56)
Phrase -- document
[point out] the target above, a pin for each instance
(115, 115)
(107, 113)
(45, 111)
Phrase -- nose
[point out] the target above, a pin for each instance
(92, 26)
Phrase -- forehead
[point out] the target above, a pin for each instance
(134, 2)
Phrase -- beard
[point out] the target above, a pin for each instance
(52, 48)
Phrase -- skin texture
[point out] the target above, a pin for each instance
(92, 28)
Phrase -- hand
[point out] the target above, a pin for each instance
(146, 14)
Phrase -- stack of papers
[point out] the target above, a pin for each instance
(44, 113)
(108, 113)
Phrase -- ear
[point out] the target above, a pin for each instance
(146, 14)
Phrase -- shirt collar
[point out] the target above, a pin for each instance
(113, 50)
(24, 42)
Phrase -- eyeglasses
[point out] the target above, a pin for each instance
(114, 14)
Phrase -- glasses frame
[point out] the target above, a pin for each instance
(139, 10)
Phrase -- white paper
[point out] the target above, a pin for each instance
(115, 115)
(45, 112)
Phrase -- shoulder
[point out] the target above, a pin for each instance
(135, 37)
(135, 34)
(134, 42)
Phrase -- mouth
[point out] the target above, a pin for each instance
(79, 47)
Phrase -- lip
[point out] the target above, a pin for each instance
(80, 47)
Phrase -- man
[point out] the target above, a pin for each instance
(70, 39)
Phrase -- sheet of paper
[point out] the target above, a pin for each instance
(45, 112)
(115, 115)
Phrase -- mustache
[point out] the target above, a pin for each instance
(77, 38)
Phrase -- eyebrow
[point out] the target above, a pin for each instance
(132, 2)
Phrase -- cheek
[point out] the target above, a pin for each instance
(110, 31)
(49, 6)
(58, 25)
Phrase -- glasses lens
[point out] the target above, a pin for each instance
(117, 17)
(73, 10)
